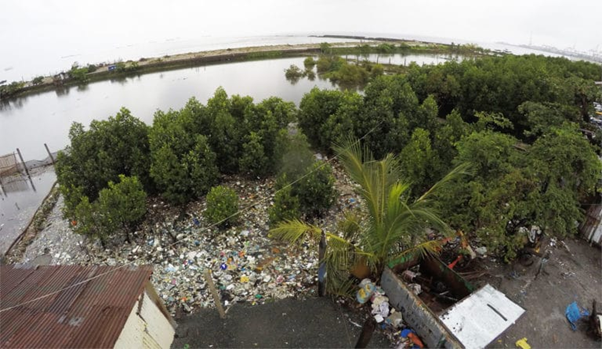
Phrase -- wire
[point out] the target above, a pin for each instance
(63, 289)
(204, 228)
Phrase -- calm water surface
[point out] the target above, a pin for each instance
(19, 199)
(29, 122)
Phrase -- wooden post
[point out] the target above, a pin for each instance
(322, 268)
(218, 302)
(49, 153)
(23, 162)
(366, 334)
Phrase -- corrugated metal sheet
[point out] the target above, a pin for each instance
(591, 229)
(90, 315)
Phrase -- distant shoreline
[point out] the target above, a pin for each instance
(107, 71)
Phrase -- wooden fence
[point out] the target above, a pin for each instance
(8, 165)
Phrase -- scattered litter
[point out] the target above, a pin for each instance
(482, 251)
(416, 288)
(355, 324)
(395, 319)
(408, 275)
(366, 290)
(574, 313)
(522, 343)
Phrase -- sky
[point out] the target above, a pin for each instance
(42, 36)
(552, 22)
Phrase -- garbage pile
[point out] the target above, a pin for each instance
(389, 320)
(245, 264)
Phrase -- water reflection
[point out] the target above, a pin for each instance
(16, 183)
(62, 91)
(46, 117)
(19, 199)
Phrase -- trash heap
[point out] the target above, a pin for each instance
(388, 319)
(245, 264)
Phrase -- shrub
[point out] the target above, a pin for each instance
(309, 63)
(100, 154)
(253, 161)
(296, 158)
(38, 80)
(286, 205)
(117, 209)
(316, 191)
(222, 205)
(293, 73)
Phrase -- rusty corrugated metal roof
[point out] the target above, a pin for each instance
(89, 315)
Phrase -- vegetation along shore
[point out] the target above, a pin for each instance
(82, 74)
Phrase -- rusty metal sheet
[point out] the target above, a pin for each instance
(591, 229)
(87, 315)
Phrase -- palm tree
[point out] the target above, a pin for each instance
(392, 223)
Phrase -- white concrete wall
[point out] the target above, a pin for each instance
(149, 329)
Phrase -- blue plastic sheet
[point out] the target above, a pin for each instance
(574, 313)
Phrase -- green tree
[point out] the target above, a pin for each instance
(309, 63)
(316, 190)
(286, 205)
(183, 164)
(315, 109)
(254, 161)
(118, 208)
(122, 204)
(420, 163)
(543, 116)
(293, 73)
(394, 225)
(99, 155)
(225, 137)
(222, 205)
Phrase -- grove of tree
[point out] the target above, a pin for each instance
(518, 121)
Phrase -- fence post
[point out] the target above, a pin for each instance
(49, 153)
(216, 298)
(23, 162)
(322, 268)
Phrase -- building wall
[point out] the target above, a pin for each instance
(146, 327)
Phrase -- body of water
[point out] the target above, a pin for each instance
(19, 199)
(397, 59)
(16, 67)
(29, 122)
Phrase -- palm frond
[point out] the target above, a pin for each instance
(460, 170)
(423, 249)
(350, 226)
(292, 231)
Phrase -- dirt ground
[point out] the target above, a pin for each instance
(573, 273)
(289, 323)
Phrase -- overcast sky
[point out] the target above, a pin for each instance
(31, 24)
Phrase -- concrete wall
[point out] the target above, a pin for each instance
(146, 327)
(416, 314)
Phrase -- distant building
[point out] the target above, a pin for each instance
(56, 306)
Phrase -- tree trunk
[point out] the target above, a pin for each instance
(367, 331)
